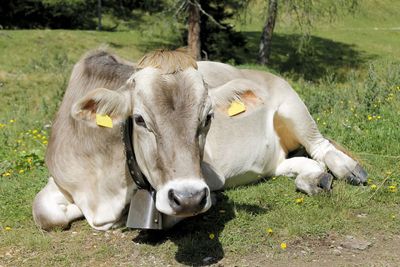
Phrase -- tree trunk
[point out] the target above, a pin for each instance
(99, 15)
(266, 37)
(194, 44)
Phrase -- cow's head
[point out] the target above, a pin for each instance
(172, 112)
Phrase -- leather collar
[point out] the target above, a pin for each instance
(134, 170)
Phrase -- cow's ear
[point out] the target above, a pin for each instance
(103, 107)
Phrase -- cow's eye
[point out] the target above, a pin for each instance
(140, 121)
(209, 118)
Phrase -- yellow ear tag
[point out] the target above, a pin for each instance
(104, 120)
(236, 108)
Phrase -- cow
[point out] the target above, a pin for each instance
(188, 138)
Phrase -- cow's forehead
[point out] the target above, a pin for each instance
(167, 93)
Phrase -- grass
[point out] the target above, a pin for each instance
(355, 101)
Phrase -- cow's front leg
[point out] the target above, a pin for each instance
(294, 115)
(311, 177)
(52, 209)
(339, 163)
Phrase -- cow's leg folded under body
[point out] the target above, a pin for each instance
(311, 177)
(52, 209)
(295, 116)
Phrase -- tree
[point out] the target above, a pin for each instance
(99, 15)
(70, 14)
(209, 34)
(304, 12)
(266, 36)
(193, 40)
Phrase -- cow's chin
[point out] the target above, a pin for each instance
(183, 197)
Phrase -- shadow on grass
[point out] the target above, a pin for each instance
(321, 57)
(197, 238)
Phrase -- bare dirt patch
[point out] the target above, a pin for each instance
(333, 250)
(86, 247)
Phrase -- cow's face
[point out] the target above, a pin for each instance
(172, 114)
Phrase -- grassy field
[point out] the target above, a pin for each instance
(351, 84)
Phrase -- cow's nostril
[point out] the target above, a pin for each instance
(203, 201)
(176, 201)
(173, 198)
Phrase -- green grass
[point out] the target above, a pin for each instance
(355, 100)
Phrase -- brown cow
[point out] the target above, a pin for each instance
(172, 100)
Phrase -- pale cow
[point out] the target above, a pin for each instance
(185, 142)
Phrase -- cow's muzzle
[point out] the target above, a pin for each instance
(183, 198)
(187, 202)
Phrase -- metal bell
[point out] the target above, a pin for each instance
(142, 211)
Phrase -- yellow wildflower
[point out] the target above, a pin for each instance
(369, 117)
(392, 189)
(299, 200)
(6, 174)
(393, 216)
(44, 142)
(211, 236)
(388, 173)
(19, 141)
(34, 131)
(283, 245)
(12, 121)
(21, 171)
(7, 228)
(269, 231)
(378, 117)
(373, 187)
(44, 137)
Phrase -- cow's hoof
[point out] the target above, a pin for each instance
(358, 176)
(325, 181)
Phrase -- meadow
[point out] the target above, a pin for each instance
(350, 82)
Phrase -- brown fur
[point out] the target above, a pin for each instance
(173, 115)
(174, 101)
(287, 139)
(250, 97)
(167, 61)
